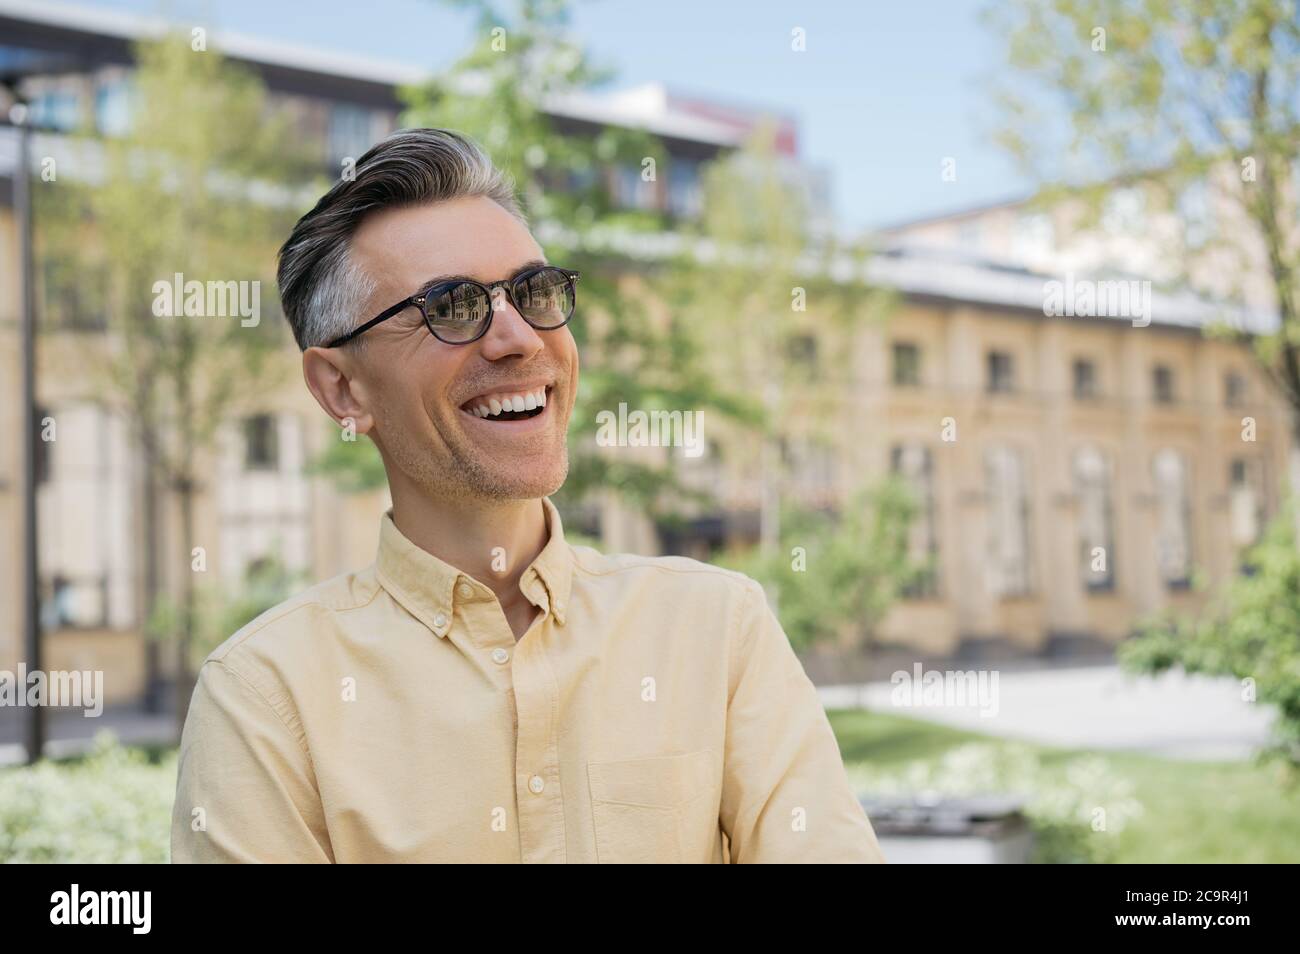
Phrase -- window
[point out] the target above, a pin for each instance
(1096, 527)
(1162, 384)
(1085, 379)
(1234, 389)
(1008, 522)
(1174, 519)
(1001, 372)
(58, 108)
(914, 465)
(632, 190)
(907, 365)
(85, 500)
(113, 107)
(261, 447)
(74, 603)
(350, 132)
(812, 466)
(685, 197)
(1246, 501)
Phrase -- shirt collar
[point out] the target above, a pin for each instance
(430, 588)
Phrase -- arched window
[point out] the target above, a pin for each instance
(1008, 522)
(1246, 511)
(1092, 488)
(914, 465)
(1174, 519)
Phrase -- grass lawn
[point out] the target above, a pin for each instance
(1193, 811)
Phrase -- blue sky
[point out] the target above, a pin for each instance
(883, 93)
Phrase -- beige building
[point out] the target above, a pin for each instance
(1075, 473)
(258, 501)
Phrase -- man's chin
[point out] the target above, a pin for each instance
(528, 482)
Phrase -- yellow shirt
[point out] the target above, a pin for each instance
(653, 712)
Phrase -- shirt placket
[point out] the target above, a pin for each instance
(537, 762)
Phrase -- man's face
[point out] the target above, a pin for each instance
(421, 391)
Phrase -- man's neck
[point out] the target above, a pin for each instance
(494, 542)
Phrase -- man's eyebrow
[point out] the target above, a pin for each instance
(443, 279)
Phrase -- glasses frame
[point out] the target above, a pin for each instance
(421, 300)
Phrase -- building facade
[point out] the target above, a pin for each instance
(1074, 474)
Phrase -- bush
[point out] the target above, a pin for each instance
(1076, 810)
(112, 806)
(1251, 632)
(838, 573)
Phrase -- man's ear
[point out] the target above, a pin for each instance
(331, 378)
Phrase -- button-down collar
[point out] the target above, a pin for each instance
(429, 587)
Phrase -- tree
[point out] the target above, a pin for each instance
(189, 189)
(497, 93)
(838, 572)
(711, 307)
(774, 303)
(1195, 103)
(1251, 633)
(1180, 99)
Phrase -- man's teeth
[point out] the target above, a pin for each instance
(499, 403)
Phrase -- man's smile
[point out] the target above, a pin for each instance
(519, 409)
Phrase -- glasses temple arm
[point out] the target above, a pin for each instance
(382, 316)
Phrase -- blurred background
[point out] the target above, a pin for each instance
(989, 314)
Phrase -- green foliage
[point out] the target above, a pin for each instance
(668, 342)
(189, 189)
(1251, 632)
(838, 573)
(1193, 106)
(495, 94)
(354, 466)
(199, 185)
(1061, 801)
(220, 611)
(753, 277)
(112, 807)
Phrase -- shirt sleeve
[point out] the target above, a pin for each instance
(785, 797)
(245, 790)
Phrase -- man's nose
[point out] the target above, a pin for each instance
(509, 334)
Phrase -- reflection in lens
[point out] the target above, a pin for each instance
(545, 297)
(459, 312)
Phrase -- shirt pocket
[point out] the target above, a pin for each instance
(645, 811)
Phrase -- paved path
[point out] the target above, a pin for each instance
(70, 733)
(1174, 715)
(1188, 717)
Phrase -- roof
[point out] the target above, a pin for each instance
(651, 106)
(953, 216)
(941, 275)
(958, 277)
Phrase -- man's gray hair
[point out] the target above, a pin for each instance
(321, 289)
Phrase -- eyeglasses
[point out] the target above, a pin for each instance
(460, 311)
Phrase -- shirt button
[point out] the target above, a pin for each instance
(465, 591)
(440, 621)
(535, 785)
(500, 655)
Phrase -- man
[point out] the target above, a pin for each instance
(486, 692)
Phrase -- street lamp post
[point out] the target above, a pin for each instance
(20, 120)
